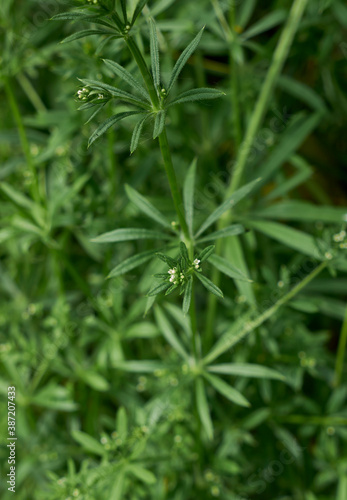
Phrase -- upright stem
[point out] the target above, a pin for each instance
(146, 75)
(277, 63)
(341, 351)
(169, 168)
(171, 175)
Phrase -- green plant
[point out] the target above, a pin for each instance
(139, 386)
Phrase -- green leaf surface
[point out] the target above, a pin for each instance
(187, 295)
(225, 267)
(84, 33)
(182, 60)
(302, 211)
(109, 123)
(128, 234)
(142, 474)
(232, 230)
(88, 442)
(226, 390)
(140, 366)
(123, 4)
(293, 136)
(138, 9)
(288, 236)
(93, 379)
(117, 93)
(122, 423)
(117, 491)
(118, 70)
(169, 333)
(131, 263)
(206, 253)
(203, 409)
(188, 195)
(137, 133)
(266, 23)
(246, 370)
(156, 289)
(154, 49)
(211, 287)
(201, 94)
(145, 206)
(159, 123)
(227, 205)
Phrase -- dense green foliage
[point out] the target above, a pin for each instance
(173, 249)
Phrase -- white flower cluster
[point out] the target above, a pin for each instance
(175, 277)
(339, 238)
(83, 93)
(196, 263)
(93, 1)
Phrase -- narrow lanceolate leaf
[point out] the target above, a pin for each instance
(187, 297)
(201, 94)
(290, 237)
(188, 51)
(79, 16)
(188, 195)
(127, 77)
(128, 234)
(165, 258)
(138, 9)
(206, 253)
(137, 133)
(117, 93)
(117, 491)
(144, 475)
(226, 389)
(227, 205)
(203, 409)
(84, 33)
(88, 442)
(246, 370)
(108, 124)
(184, 251)
(124, 10)
(95, 113)
(131, 263)
(145, 206)
(158, 289)
(159, 123)
(211, 287)
(169, 333)
(122, 423)
(154, 48)
(224, 266)
(302, 211)
(140, 366)
(232, 230)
